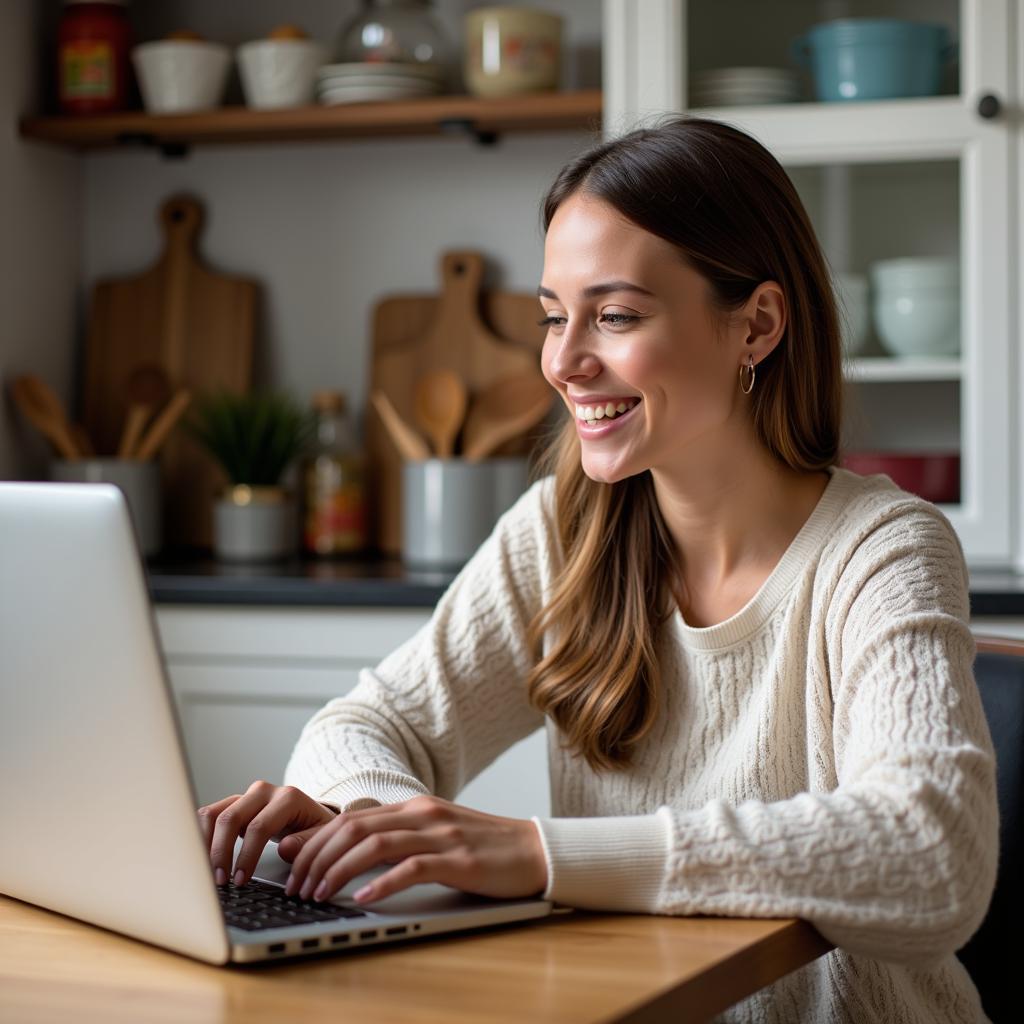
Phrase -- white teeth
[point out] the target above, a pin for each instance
(591, 413)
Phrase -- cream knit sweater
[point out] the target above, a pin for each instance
(823, 752)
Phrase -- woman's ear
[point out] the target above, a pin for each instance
(765, 320)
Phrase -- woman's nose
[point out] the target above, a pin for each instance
(570, 356)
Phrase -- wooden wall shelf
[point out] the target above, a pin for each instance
(483, 119)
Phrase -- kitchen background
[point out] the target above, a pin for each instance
(329, 228)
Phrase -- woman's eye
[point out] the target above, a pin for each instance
(608, 318)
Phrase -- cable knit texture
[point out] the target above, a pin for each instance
(822, 753)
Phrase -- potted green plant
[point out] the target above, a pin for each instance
(254, 437)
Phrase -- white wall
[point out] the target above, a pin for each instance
(40, 214)
(329, 228)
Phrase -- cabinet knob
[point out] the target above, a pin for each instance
(989, 106)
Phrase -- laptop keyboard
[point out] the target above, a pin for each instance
(259, 905)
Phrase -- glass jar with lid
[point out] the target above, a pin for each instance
(399, 31)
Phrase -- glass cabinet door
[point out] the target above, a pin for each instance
(912, 198)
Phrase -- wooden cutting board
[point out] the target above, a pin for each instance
(197, 325)
(481, 335)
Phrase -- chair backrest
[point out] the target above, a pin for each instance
(999, 671)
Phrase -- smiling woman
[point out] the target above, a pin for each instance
(754, 667)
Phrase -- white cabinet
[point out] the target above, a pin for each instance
(246, 680)
(916, 177)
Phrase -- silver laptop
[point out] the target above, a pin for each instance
(98, 811)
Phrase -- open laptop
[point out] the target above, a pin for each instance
(98, 811)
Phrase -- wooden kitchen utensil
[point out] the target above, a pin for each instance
(148, 388)
(411, 446)
(162, 426)
(194, 324)
(482, 335)
(45, 411)
(439, 404)
(507, 408)
(82, 440)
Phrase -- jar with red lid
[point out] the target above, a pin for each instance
(93, 43)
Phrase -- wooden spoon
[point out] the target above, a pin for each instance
(410, 445)
(43, 409)
(508, 407)
(147, 389)
(162, 425)
(439, 405)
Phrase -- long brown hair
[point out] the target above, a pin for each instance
(732, 212)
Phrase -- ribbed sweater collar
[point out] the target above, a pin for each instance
(804, 547)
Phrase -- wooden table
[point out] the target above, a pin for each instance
(567, 968)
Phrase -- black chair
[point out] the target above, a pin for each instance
(989, 955)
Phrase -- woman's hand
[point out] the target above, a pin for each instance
(264, 812)
(428, 840)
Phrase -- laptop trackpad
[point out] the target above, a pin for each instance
(417, 899)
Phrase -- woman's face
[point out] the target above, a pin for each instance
(630, 324)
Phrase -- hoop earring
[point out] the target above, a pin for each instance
(750, 380)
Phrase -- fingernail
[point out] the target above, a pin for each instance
(289, 886)
(363, 894)
(321, 891)
(304, 892)
(220, 876)
(239, 876)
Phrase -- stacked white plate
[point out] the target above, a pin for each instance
(357, 83)
(742, 87)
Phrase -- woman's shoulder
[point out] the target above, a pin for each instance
(878, 513)
(887, 536)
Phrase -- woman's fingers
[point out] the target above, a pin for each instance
(233, 822)
(342, 834)
(375, 849)
(427, 867)
(208, 816)
(288, 809)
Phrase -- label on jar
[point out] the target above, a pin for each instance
(87, 70)
(336, 520)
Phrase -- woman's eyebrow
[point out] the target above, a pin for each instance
(598, 289)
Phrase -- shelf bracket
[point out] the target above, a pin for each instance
(168, 150)
(466, 126)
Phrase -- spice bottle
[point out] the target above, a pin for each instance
(93, 43)
(334, 478)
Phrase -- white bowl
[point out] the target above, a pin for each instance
(916, 307)
(918, 323)
(178, 76)
(278, 73)
(917, 273)
(854, 311)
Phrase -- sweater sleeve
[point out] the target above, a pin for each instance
(440, 708)
(898, 860)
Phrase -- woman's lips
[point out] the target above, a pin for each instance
(600, 428)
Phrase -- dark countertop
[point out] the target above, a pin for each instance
(370, 582)
(386, 582)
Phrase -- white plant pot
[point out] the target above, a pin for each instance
(254, 524)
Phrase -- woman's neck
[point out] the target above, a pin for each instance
(733, 517)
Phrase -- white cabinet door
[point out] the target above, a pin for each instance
(246, 680)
